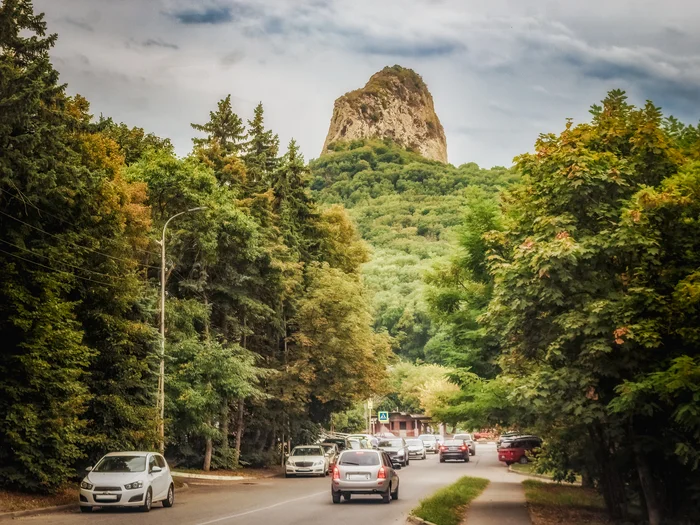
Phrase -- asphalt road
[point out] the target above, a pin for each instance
(300, 501)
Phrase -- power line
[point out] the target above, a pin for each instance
(55, 270)
(27, 201)
(78, 245)
(54, 260)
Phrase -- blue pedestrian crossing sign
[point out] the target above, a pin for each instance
(383, 416)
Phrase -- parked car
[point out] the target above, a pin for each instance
(385, 435)
(516, 450)
(430, 442)
(454, 449)
(396, 448)
(358, 444)
(469, 440)
(332, 452)
(416, 448)
(365, 472)
(373, 441)
(505, 436)
(341, 442)
(127, 479)
(307, 460)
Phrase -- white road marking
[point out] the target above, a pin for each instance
(262, 508)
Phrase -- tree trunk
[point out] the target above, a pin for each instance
(240, 426)
(207, 454)
(611, 483)
(646, 480)
(587, 479)
(225, 447)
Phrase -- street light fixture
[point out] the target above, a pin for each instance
(160, 404)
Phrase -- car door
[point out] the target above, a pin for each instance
(164, 474)
(155, 478)
(391, 474)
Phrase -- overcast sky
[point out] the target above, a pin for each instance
(500, 71)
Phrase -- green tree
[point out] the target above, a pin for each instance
(261, 152)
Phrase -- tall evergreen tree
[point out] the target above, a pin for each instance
(261, 152)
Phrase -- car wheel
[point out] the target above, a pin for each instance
(336, 497)
(522, 460)
(442, 460)
(509, 463)
(146, 507)
(386, 497)
(169, 501)
(395, 494)
(287, 475)
(85, 509)
(425, 456)
(466, 458)
(347, 496)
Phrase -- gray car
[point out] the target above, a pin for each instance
(467, 438)
(396, 448)
(365, 472)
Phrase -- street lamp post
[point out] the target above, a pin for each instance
(160, 405)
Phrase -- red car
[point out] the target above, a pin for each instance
(514, 450)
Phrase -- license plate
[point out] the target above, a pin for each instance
(303, 470)
(106, 498)
(358, 477)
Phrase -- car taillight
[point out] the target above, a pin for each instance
(463, 447)
(336, 473)
(443, 448)
(381, 474)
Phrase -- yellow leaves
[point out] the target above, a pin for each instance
(563, 235)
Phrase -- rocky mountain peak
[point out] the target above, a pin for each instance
(395, 104)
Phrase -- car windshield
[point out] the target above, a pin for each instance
(428, 438)
(327, 448)
(390, 443)
(465, 437)
(307, 451)
(359, 458)
(454, 442)
(414, 442)
(121, 464)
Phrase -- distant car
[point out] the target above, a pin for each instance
(416, 448)
(365, 472)
(396, 448)
(341, 442)
(127, 479)
(385, 435)
(515, 450)
(430, 442)
(332, 453)
(373, 441)
(358, 444)
(307, 460)
(505, 436)
(470, 442)
(454, 449)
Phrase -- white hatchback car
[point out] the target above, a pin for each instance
(127, 479)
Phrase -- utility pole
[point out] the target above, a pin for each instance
(160, 403)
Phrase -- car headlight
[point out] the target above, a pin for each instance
(318, 462)
(85, 485)
(290, 463)
(134, 485)
(399, 453)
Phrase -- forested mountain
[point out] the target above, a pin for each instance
(408, 209)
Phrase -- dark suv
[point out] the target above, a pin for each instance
(514, 450)
(454, 449)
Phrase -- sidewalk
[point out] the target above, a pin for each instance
(502, 503)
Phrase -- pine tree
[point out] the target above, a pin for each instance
(43, 358)
(223, 144)
(261, 152)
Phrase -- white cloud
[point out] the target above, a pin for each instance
(500, 72)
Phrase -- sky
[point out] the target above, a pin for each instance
(500, 71)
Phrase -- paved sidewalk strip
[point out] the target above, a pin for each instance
(502, 503)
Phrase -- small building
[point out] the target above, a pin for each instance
(405, 425)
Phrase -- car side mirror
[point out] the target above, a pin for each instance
(88, 469)
(156, 468)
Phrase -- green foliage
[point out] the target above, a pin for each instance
(407, 208)
(447, 506)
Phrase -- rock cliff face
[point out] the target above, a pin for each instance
(394, 104)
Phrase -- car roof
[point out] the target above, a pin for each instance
(130, 453)
(364, 451)
(308, 446)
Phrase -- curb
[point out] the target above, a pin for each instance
(212, 477)
(7, 516)
(415, 520)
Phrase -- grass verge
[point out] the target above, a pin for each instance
(13, 501)
(554, 504)
(447, 505)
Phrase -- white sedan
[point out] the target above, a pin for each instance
(308, 460)
(127, 479)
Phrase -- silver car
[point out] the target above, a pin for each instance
(416, 448)
(365, 472)
(470, 442)
(307, 460)
(396, 448)
(430, 442)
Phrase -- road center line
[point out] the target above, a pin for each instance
(262, 509)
